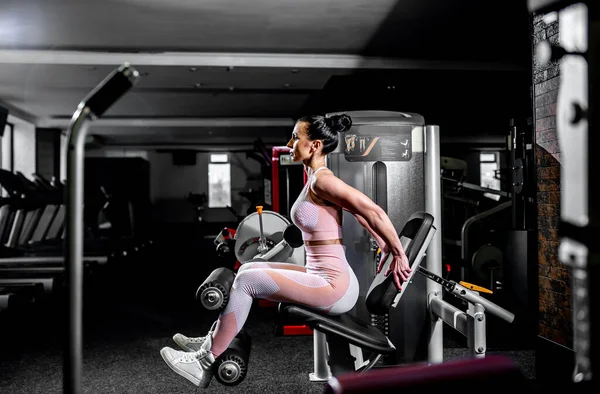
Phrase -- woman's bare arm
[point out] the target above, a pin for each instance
(363, 222)
(329, 187)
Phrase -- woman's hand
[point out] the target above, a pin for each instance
(385, 252)
(399, 267)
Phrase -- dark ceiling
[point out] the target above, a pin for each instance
(229, 71)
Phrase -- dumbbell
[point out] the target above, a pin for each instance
(213, 293)
(231, 367)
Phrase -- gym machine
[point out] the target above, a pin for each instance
(287, 177)
(477, 244)
(259, 231)
(488, 234)
(382, 155)
(345, 343)
(231, 367)
(576, 120)
(264, 195)
(393, 157)
(285, 184)
(261, 235)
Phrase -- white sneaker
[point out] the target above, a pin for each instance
(194, 366)
(189, 344)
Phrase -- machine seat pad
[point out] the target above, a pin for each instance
(346, 326)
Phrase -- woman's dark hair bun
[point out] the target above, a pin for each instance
(339, 123)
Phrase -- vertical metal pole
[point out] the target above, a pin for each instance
(321, 373)
(433, 263)
(574, 122)
(476, 338)
(593, 69)
(74, 251)
(92, 107)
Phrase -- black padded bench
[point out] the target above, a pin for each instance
(346, 329)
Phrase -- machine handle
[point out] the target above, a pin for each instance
(269, 254)
(110, 89)
(473, 287)
(262, 242)
(474, 298)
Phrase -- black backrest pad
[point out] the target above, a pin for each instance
(413, 236)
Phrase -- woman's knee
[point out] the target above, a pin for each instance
(244, 277)
(247, 266)
(255, 282)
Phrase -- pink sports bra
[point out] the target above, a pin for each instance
(317, 222)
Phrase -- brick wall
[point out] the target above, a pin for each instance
(555, 309)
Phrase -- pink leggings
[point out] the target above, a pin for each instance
(326, 283)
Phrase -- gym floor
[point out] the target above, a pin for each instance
(132, 311)
(121, 354)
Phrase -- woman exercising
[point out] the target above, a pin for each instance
(327, 282)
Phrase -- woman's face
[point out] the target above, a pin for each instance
(300, 145)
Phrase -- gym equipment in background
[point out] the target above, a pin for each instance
(577, 125)
(288, 178)
(393, 158)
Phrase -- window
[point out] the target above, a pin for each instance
(488, 165)
(219, 181)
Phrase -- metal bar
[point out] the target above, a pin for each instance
(322, 372)
(450, 315)
(239, 59)
(90, 108)
(433, 206)
(472, 186)
(8, 261)
(74, 250)
(176, 122)
(269, 254)
(465, 228)
(31, 270)
(47, 283)
(474, 298)
(543, 6)
(593, 70)
(476, 334)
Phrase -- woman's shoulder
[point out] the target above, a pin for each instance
(324, 175)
